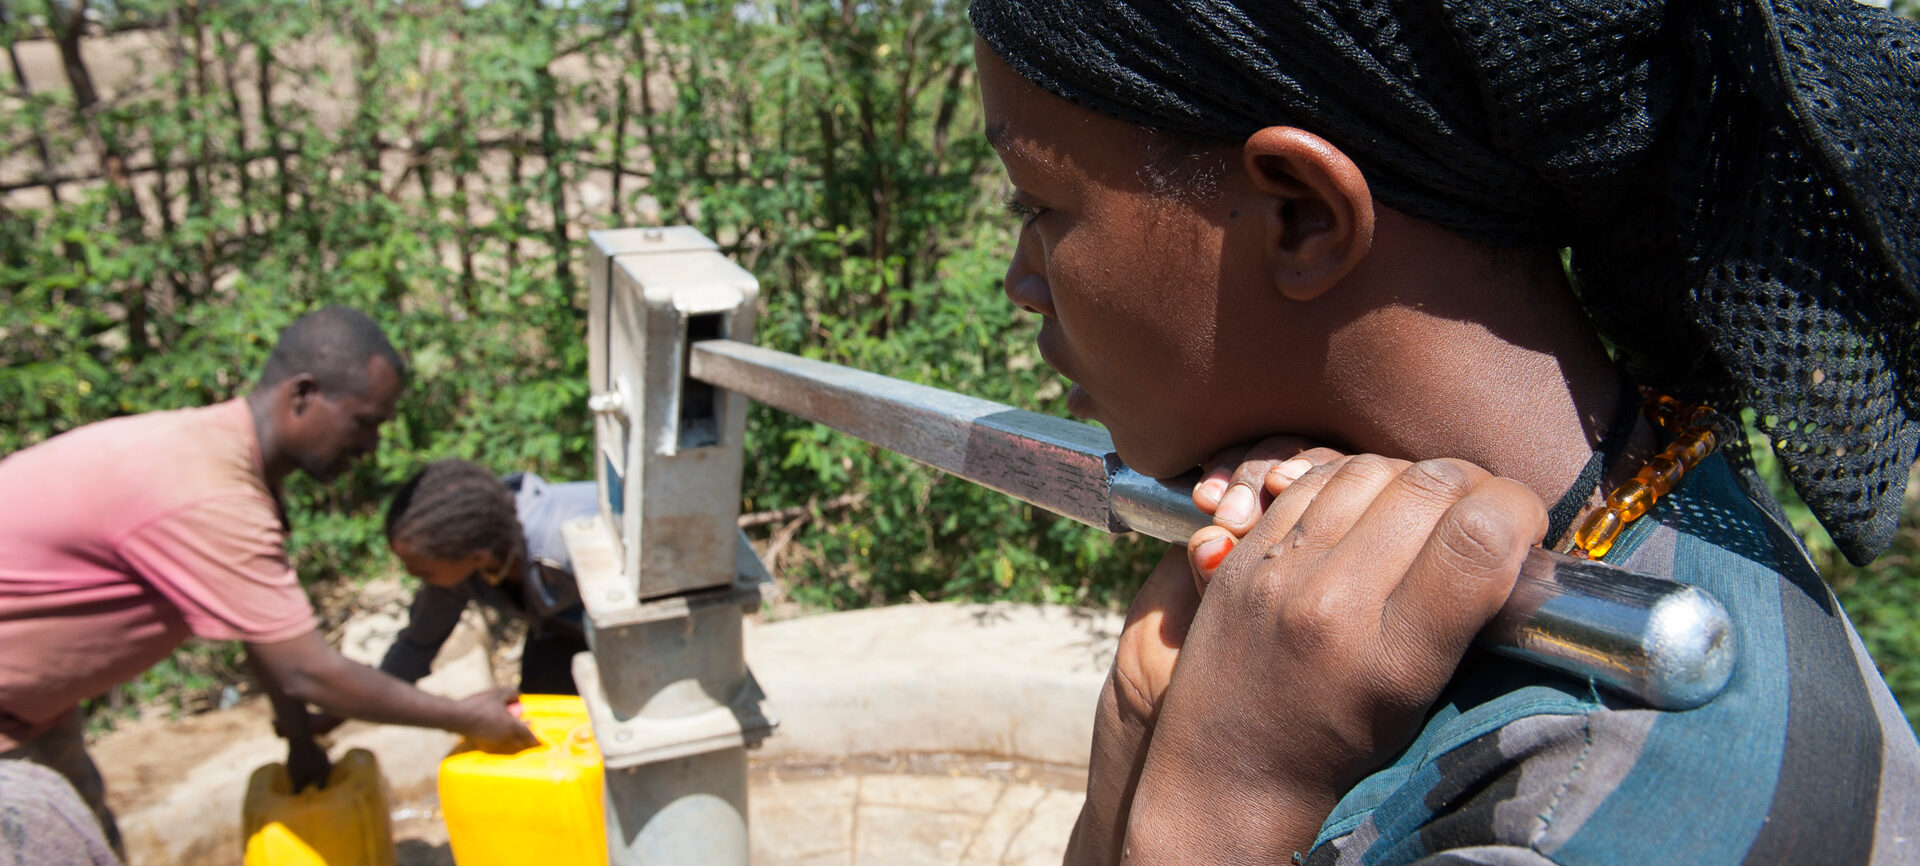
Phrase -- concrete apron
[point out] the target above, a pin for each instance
(998, 681)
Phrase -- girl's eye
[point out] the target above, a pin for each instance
(1022, 211)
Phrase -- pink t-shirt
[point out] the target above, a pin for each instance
(121, 539)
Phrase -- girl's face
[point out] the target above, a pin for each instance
(1160, 310)
(443, 573)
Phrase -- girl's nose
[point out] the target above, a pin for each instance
(1027, 285)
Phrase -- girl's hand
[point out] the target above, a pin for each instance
(1236, 487)
(1150, 643)
(1319, 643)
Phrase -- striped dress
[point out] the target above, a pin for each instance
(1805, 758)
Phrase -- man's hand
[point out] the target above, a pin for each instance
(495, 724)
(322, 724)
(304, 670)
(1320, 641)
(307, 764)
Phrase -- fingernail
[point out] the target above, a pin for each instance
(1293, 469)
(1211, 552)
(1236, 507)
(1210, 489)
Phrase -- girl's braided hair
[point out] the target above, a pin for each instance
(454, 508)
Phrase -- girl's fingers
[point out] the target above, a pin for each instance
(1206, 550)
(1396, 521)
(1281, 475)
(1212, 488)
(1235, 488)
(1466, 568)
(1315, 511)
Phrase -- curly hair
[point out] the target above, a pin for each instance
(454, 508)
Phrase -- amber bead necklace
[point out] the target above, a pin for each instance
(1693, 426)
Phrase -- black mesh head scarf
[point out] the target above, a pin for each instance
(1738, 181)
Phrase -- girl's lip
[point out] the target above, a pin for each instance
(1079, 402)
(1047, 342)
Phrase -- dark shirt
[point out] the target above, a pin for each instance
(544, 593)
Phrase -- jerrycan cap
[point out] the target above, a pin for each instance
(580, 740)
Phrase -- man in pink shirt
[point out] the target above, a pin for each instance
(121, 539)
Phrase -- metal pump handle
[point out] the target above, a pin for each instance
(1664, 643)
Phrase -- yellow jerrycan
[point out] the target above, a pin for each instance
(347, 823)
(540, 805)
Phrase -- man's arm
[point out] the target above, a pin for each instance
(431, 619)
(306, 670)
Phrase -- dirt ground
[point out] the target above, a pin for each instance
(144, 758)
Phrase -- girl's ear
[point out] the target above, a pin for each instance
(1318, 209)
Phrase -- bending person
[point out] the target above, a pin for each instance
(471, 536)
(124, 538)
(1343, 222)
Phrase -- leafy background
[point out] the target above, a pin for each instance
(181, 179)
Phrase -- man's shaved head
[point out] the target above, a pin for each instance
(333, 345)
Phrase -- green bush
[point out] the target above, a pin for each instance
(428, 162)
(411, 163)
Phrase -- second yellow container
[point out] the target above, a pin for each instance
(344, 824)
(541, 805)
